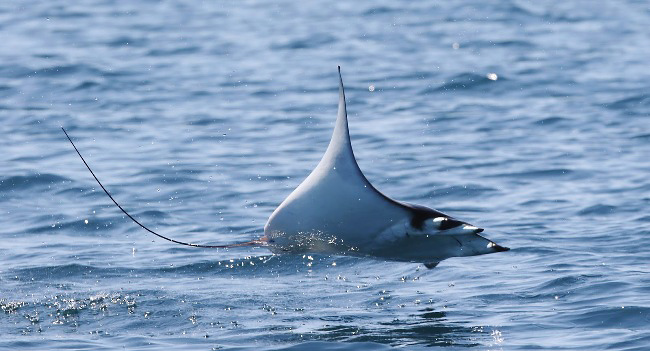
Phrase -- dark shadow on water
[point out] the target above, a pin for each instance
(428, 328)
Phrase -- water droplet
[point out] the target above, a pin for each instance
(86, 221)
(455, 46)
(492, 76)
(371, 88)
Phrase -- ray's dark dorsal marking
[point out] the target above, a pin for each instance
(248, 243)
(422, 213)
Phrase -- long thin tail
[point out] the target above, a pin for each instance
(260, 242)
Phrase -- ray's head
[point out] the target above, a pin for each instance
(431, 236)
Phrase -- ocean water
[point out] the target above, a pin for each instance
(528, 118)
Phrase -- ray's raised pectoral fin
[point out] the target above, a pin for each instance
(339, 157)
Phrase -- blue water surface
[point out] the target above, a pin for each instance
(528, 118)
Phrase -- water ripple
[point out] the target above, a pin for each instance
(525, 118)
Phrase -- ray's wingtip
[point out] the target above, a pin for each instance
(499, 248)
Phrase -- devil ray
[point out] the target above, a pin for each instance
(336, 210)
